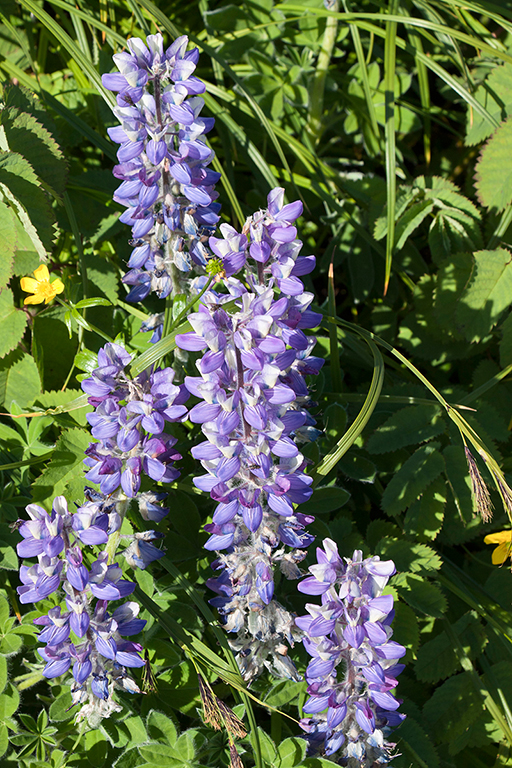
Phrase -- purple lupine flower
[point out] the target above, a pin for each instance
(354, 661)
(167, 187)
(249, 414)
(128, 422)
(85, 638)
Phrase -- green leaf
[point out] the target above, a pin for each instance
(64, 473)
(506, 342)
(282, 692)
(493, 171)
(487, 295)
(457, 473)
(103, 275)
(10, 644)
(61, 708)
(413, 424)
(412, 478)
(291, 752)
(19, 183)
(70, 402)
(408, 555)
(161, 727)
(22, 383)
(9, 702)
(52, 348)
(406, 630)
(421, 594)
(453, 707)
(424, 518)
(452, 278)
(13, 322)
(26, 136)
(437, 659)
(414, 743)
(3, 673)
(325, 500)
(268, 748)
(495, 94)
(8, 242)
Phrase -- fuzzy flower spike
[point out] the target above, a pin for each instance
(353, 668)
(167, 187)
(252, 410)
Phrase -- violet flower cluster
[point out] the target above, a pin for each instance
(253, 406)
(128, 423)
(167, 187)
(354, 661)
(87, 635)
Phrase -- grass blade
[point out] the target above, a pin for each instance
(390, 138)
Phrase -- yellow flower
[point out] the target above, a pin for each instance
(504, 550)
(41, 287)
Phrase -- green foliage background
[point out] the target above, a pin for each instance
(392, 121)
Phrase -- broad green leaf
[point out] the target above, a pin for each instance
(291, 752)
(22, 383)
(4, 739)
(17, 176)
(412, 478)
(421, 594)
(282, 692)
(161, 727)
(415, 745)
(406, 630)
(424, 518)
(506, 342)
(61, 708)
(357, 467)
(130, 758)
(95, 747)
(9, 702)
(493, 173)
(268, 748)
(487, 295)
(325, 500)
(409, 555)
(103, 275)
(453, 707)
(64, 473)
(69, 402)
(52, 348)
(413, 424)
(496, 96)
(12, 321)
(8, 243)
(3, 673)
(160, 754)
(437, 659)
(452, 278)
(26, 136)
(10, 644)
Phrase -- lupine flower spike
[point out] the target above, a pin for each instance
(353, 668)
(167, 187)
(253, 408)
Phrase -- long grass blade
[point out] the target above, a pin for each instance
(390, 137)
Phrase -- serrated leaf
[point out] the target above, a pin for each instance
(452, 278)
(408, 555)
(12, 321)
(8, 243)
(424, 518)
(413, 424)
(493, 170)
(453, 707)
(412, 478)
(22, 383)
(65, 466)
(421, 594)
(437, 658)
(17, 176)
(495, 94)
(357, 467)
(406, 630)
(506, 342)
(459, 481)
(70, 402)
(487, 295)
(26, 136)
(413, 742)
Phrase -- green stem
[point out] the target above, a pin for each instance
(26, 462)
(314, 126)
(189, 306)
(90, 326)
(81, 256)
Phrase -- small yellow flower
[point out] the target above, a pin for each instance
(41, 287)
(504, 548)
